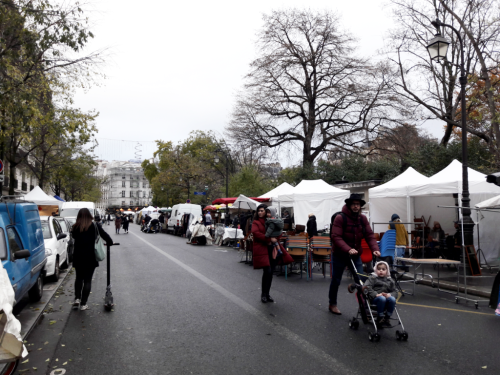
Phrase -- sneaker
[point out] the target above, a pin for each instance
(84, 307)
(76, 304)
(386, 322)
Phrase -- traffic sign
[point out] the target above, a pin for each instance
(200, 193)
(188, 201)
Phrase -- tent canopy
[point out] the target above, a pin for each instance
(245, 203)
(232, 200)
(449, 181)
(282, 189)
(398, 186)
(149, 209)
(490, 203)
(39, 197)
(316, 197)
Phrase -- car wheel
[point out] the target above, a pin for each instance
(57, 271)
(36, 291)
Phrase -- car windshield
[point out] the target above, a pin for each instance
(46, 230)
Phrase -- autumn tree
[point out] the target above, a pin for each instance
(307, 89)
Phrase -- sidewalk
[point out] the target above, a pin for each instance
(476, 285)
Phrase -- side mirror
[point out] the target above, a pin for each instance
(60, 236)
(22, 254)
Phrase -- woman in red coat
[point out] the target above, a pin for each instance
(263, 252)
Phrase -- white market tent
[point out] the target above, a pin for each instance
(277, 195)
(149, 210)
(394, 197)
(39, 197)
(244, 203)
(425, 196)
(492, 203)
(316, 197)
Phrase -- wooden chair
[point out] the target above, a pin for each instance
(298, 248)
(321, 252)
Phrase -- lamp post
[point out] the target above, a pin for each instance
(438, 47)
(216, 160)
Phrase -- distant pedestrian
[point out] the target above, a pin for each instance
(84, 233)
(401, 233)
(312, 226)
(263, 252)
(208, 219)
(125, 222)
(118, 224)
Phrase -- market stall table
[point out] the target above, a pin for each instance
(423, 262)
(232, 234)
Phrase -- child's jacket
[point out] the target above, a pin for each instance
(274, 227)
(376, 285)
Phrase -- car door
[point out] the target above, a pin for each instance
(61, 244)
(21, 268)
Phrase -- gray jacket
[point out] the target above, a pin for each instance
(376, 285)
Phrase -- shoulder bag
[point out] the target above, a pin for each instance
(100, 249)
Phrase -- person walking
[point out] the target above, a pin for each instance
(125, 223)
(349, 228)
(109, 218)
(312, 226)
(118, 223)
(84, 233)
(263, 252)
(208, 219)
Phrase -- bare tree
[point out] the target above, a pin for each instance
(432, 90)
(308, 89)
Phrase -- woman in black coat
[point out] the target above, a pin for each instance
(84, 261)
(312, 227)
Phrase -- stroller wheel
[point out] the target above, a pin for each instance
(354, 324)
(398, 336)
(376, 337)
(351, 288)
(370, 336)
(405, 336)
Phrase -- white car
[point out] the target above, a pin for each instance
(56, 247)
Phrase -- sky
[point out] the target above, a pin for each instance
(175, 67)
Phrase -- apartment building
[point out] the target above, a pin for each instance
(125, 185)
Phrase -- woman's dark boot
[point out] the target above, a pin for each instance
(263, 299)
(269, 299)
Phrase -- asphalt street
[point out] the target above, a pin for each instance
(183, 309)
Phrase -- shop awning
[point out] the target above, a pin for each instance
(232, 200)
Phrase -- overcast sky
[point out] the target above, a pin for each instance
(176, 66)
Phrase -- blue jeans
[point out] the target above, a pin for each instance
(385, 304)
(339, 263)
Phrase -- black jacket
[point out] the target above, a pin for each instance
(84, 252)
(312, 227)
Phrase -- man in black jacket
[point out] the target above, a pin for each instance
(312, 226)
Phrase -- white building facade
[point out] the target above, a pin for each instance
(124, 185)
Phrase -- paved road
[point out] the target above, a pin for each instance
(182, 309)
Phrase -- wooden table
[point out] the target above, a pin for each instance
(423, 262)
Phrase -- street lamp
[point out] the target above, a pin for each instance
(216, 160)
(437, 47)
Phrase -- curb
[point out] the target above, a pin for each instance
(4, 366)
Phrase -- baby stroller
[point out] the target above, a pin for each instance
(367, 311)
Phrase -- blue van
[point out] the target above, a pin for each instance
(22, 249)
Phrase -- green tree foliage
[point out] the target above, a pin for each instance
(249, 181)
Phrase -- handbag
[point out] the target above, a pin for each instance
(99, 248)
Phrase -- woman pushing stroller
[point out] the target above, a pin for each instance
(381, 289)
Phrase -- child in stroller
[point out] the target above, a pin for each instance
(382, 308)
(381, 290)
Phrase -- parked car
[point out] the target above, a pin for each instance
(174, 222)
(22, 248)
(56, 247)
(66, 228)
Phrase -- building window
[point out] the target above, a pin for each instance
(123, 183)
(123, 203)
(131, 203)
(123, 193)
(131, 194)
(123, 177)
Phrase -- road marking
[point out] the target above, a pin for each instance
(326, 359)
(444, 308)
